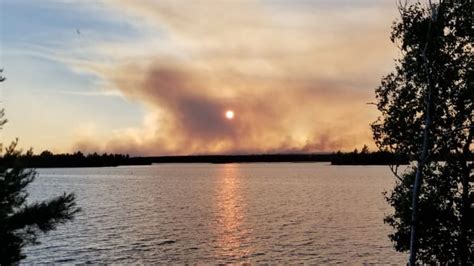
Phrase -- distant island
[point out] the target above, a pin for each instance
(49, 160)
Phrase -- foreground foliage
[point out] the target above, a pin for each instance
(20, 223)
(427, 103)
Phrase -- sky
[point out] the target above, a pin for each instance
(156, 77)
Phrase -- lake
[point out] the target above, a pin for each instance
(220, 213)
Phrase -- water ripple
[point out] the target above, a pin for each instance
(203, 213)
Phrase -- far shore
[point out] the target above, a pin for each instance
(49, 160)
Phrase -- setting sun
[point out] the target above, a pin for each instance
(229, 114)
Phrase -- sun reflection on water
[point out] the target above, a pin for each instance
(232, 235)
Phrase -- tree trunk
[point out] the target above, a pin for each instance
(422, 160)
(466, 204)
(418, 180)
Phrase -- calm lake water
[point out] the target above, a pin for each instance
(224, 213)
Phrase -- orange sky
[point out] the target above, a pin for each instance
(297, 74)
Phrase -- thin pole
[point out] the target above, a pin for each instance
(424, 153)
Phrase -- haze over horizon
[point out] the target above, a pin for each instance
(159, 77)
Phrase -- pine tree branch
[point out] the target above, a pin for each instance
(45, 216)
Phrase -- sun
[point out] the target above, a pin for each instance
(229, 114)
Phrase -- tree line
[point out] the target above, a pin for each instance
(47, 159)
(78, 159)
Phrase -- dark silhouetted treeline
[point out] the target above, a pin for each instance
(364, 157)
(368, 158)
(48, 160)
(251, 158)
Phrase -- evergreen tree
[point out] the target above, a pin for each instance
(20, 223)
(426, 108)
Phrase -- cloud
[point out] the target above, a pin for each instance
(296, 83)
